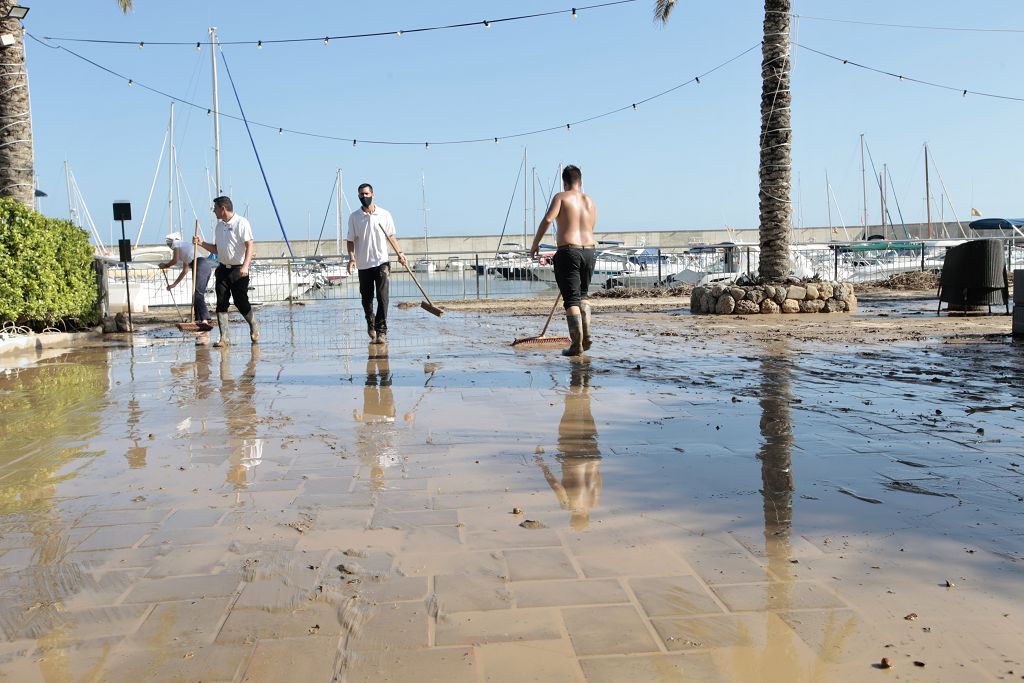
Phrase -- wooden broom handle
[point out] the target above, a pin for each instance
(195, 274)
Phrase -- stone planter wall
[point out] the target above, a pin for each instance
(807, 297)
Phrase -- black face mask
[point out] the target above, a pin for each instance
(366, 201)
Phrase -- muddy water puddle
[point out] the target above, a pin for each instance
(447, 508)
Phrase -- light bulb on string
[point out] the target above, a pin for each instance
(568, 127)
(141, 44)
(353, 143)
(259, 44)
(280, 131)
(634, 106)
(326, 40)
(398, 33)
(208, 112)
(487, 24)
(130, 82)
(426, 145)
(497, 141)
(573, 12)
(697, 79)
(198, 47)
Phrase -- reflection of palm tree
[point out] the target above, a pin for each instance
(580, 486)
(776, 456)
(375, 441)
(245, 451)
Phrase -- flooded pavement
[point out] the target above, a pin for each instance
(696, 499)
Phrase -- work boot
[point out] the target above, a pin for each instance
(254, 327)
(575, 334)
(371, 328)
(585, 315)
(225, 336)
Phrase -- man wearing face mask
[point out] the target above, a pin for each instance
(575, 215)
(370, 230)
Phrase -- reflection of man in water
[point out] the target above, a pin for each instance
(375, 440)
(578, 453)
(245, 451)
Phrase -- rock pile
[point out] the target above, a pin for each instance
(798, 297)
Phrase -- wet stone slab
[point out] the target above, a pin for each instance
(712, 500)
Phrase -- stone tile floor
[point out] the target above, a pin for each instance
(319, 509)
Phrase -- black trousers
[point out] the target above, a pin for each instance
(202, 276)
(374, 281)
(230, 285)
(574, 267)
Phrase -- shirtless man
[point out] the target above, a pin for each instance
(575, 215)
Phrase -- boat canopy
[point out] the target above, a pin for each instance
(997, 224)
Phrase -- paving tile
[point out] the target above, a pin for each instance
(568, 593)
(247, 625)
(774, 596)
(386, 519)
(732, 566)
(183, 537)
(174, 662)
(276, 594)
(129, 516)
(183, 588)
(188, 622)
(312, 658)
(543, 660)
(468, 563)
(188, 519)
(392, 626)
(433, 539)
(343, 518)
(457, 593)
(541, 563)
(701, 633)
(328, 486)
(436, 665)
(111, 537)
(499, 626)
(394, 589)
(638, 561)
(122, 558)
(95, 623)
(616, 629)
(673, 595)
(192, 559)
(698, 667)
(835, 635)
(512, 538)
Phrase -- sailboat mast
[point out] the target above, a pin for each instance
(337, 217)
(927, 192)
(828, 203)
(67, 183)
(216, 110)
(881, 195)
(526, 203)
(864, 186)
(423, 192)
(170, 174)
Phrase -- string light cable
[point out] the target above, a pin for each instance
(348, 138)
(482, 23)
(963, 91)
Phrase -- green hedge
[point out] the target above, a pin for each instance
(46, 271)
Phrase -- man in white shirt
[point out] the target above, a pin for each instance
(235, 248)
(370, 230)
(184, 253)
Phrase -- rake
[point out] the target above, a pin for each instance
(193, 326)
(541, 339)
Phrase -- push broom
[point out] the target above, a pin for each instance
(194, 326)
(427, 305)
(533, 341)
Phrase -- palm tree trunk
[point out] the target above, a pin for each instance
(17, 169)
(776, 142)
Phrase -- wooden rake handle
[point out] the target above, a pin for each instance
(551, 314)
(195, 274)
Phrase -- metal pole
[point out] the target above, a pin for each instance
(288, 297)
(922, 257)
(835, 252)
(170, 174)
(864, 185)
(881, 195)
(127, 289)
(477, 269)
(828, 203)
(337, 218)
(659, 264)
(216, 110)
(526, 203)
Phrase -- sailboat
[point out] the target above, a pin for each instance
(424, 265)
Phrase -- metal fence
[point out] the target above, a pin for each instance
(475, 276)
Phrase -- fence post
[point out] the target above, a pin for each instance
(288, 297)
(835, 252)
(477, 269)
(922, 257)
(659, 265)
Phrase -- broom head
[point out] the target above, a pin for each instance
(541, 341)
(195, 327)
(431, 309)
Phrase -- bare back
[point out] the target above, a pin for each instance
(575, 219)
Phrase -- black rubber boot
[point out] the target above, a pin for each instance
(225, 335)
(575, 334)
(585, 316)
(254, 327)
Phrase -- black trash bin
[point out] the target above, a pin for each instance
(974, 277)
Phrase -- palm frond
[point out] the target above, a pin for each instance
(662, 8)
(126, 5)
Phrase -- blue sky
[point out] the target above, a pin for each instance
(685, 161)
